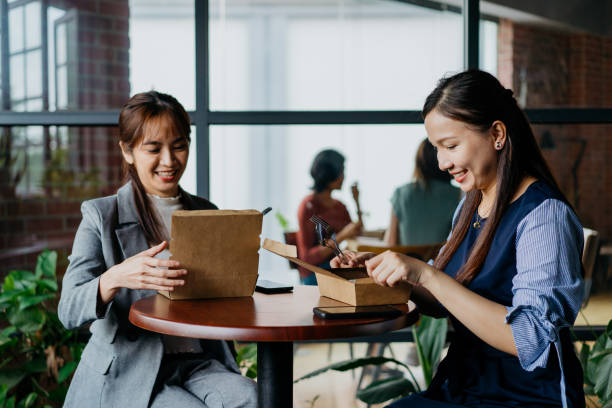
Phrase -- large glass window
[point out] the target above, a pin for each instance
(261, 166)
(45, 174)
(281, 55)
(93, 57)
(328, 55)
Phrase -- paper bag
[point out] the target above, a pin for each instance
(356, 292)
(219, 249)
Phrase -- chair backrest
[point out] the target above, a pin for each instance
(589, 260)
(291, 239)
(422, 252)
(590, 251)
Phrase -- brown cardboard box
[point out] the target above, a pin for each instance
(219, 249)
(356, 292)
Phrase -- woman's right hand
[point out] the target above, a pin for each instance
(142, 271)
(351, 259)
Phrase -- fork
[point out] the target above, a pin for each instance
(324, 233)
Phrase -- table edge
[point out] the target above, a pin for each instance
(272, 333)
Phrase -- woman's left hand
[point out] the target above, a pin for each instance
(391, 268)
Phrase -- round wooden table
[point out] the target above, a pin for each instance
(273, 321)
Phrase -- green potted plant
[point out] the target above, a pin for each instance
(38, 354)
(597, 367)
(429, 336)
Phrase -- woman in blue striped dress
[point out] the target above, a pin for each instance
(509, 276)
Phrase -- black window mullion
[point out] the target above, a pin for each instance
(109, 118)
(200, 118)
(471, 32)
(4, 58)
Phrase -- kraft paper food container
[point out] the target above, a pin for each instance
(219, 249)
(354, 291)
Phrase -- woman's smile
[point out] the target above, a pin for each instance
(160, 159)
(167, 175)
(459, 176)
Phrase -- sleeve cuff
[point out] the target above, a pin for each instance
(101, 308)
(533, 335)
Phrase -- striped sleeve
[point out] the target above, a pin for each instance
(547, 289)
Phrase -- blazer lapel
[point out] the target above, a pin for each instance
(129, 233)
(131, 240)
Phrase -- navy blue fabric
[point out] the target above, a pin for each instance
(475, 374)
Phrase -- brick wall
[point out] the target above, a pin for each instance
(550, 68)
(99, 80)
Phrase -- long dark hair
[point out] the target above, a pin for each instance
(326, 167)
(478, 99)
(139, 111)
(426, 165)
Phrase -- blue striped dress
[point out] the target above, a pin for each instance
(534, 269)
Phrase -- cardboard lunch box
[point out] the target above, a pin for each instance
(349, 287)
(219, 249)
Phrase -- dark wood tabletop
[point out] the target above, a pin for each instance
(278, 317)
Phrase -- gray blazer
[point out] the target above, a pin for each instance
(120, 362)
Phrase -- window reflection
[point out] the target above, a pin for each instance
(92, 56)
(261, 166)
(333, 55)
(45, 174)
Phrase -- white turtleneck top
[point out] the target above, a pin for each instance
(165, 207)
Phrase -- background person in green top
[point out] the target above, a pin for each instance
(422, 211)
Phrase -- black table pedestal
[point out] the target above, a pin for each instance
(275, 374)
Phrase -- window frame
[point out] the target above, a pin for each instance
(202, 117)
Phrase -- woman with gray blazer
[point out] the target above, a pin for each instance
(117, 258)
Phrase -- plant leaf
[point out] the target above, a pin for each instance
(603, 374)
(9, 282)
(351, 364)
(45, 266)
(247, 352)
(10, 296)
(29, 400)
(27, 321)
(282, 221)
(18, 280)
(65, 371)
(6, 335)
(58, 395)
(252, 371)
(11, 377)
(429, 338)
(49, 284)
(601, 343)
(38, 388)
(584, 362)
(37, 365)
(384, 390)
(34, 300)
(3, 391)
(600, 354)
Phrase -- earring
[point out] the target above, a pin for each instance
(498, 145)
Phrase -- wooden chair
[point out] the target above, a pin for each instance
(589, 260)
(422, 252)
(291, 239)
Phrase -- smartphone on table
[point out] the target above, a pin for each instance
(270, 287)
(356, 312)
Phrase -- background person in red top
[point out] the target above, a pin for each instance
(327, 172)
